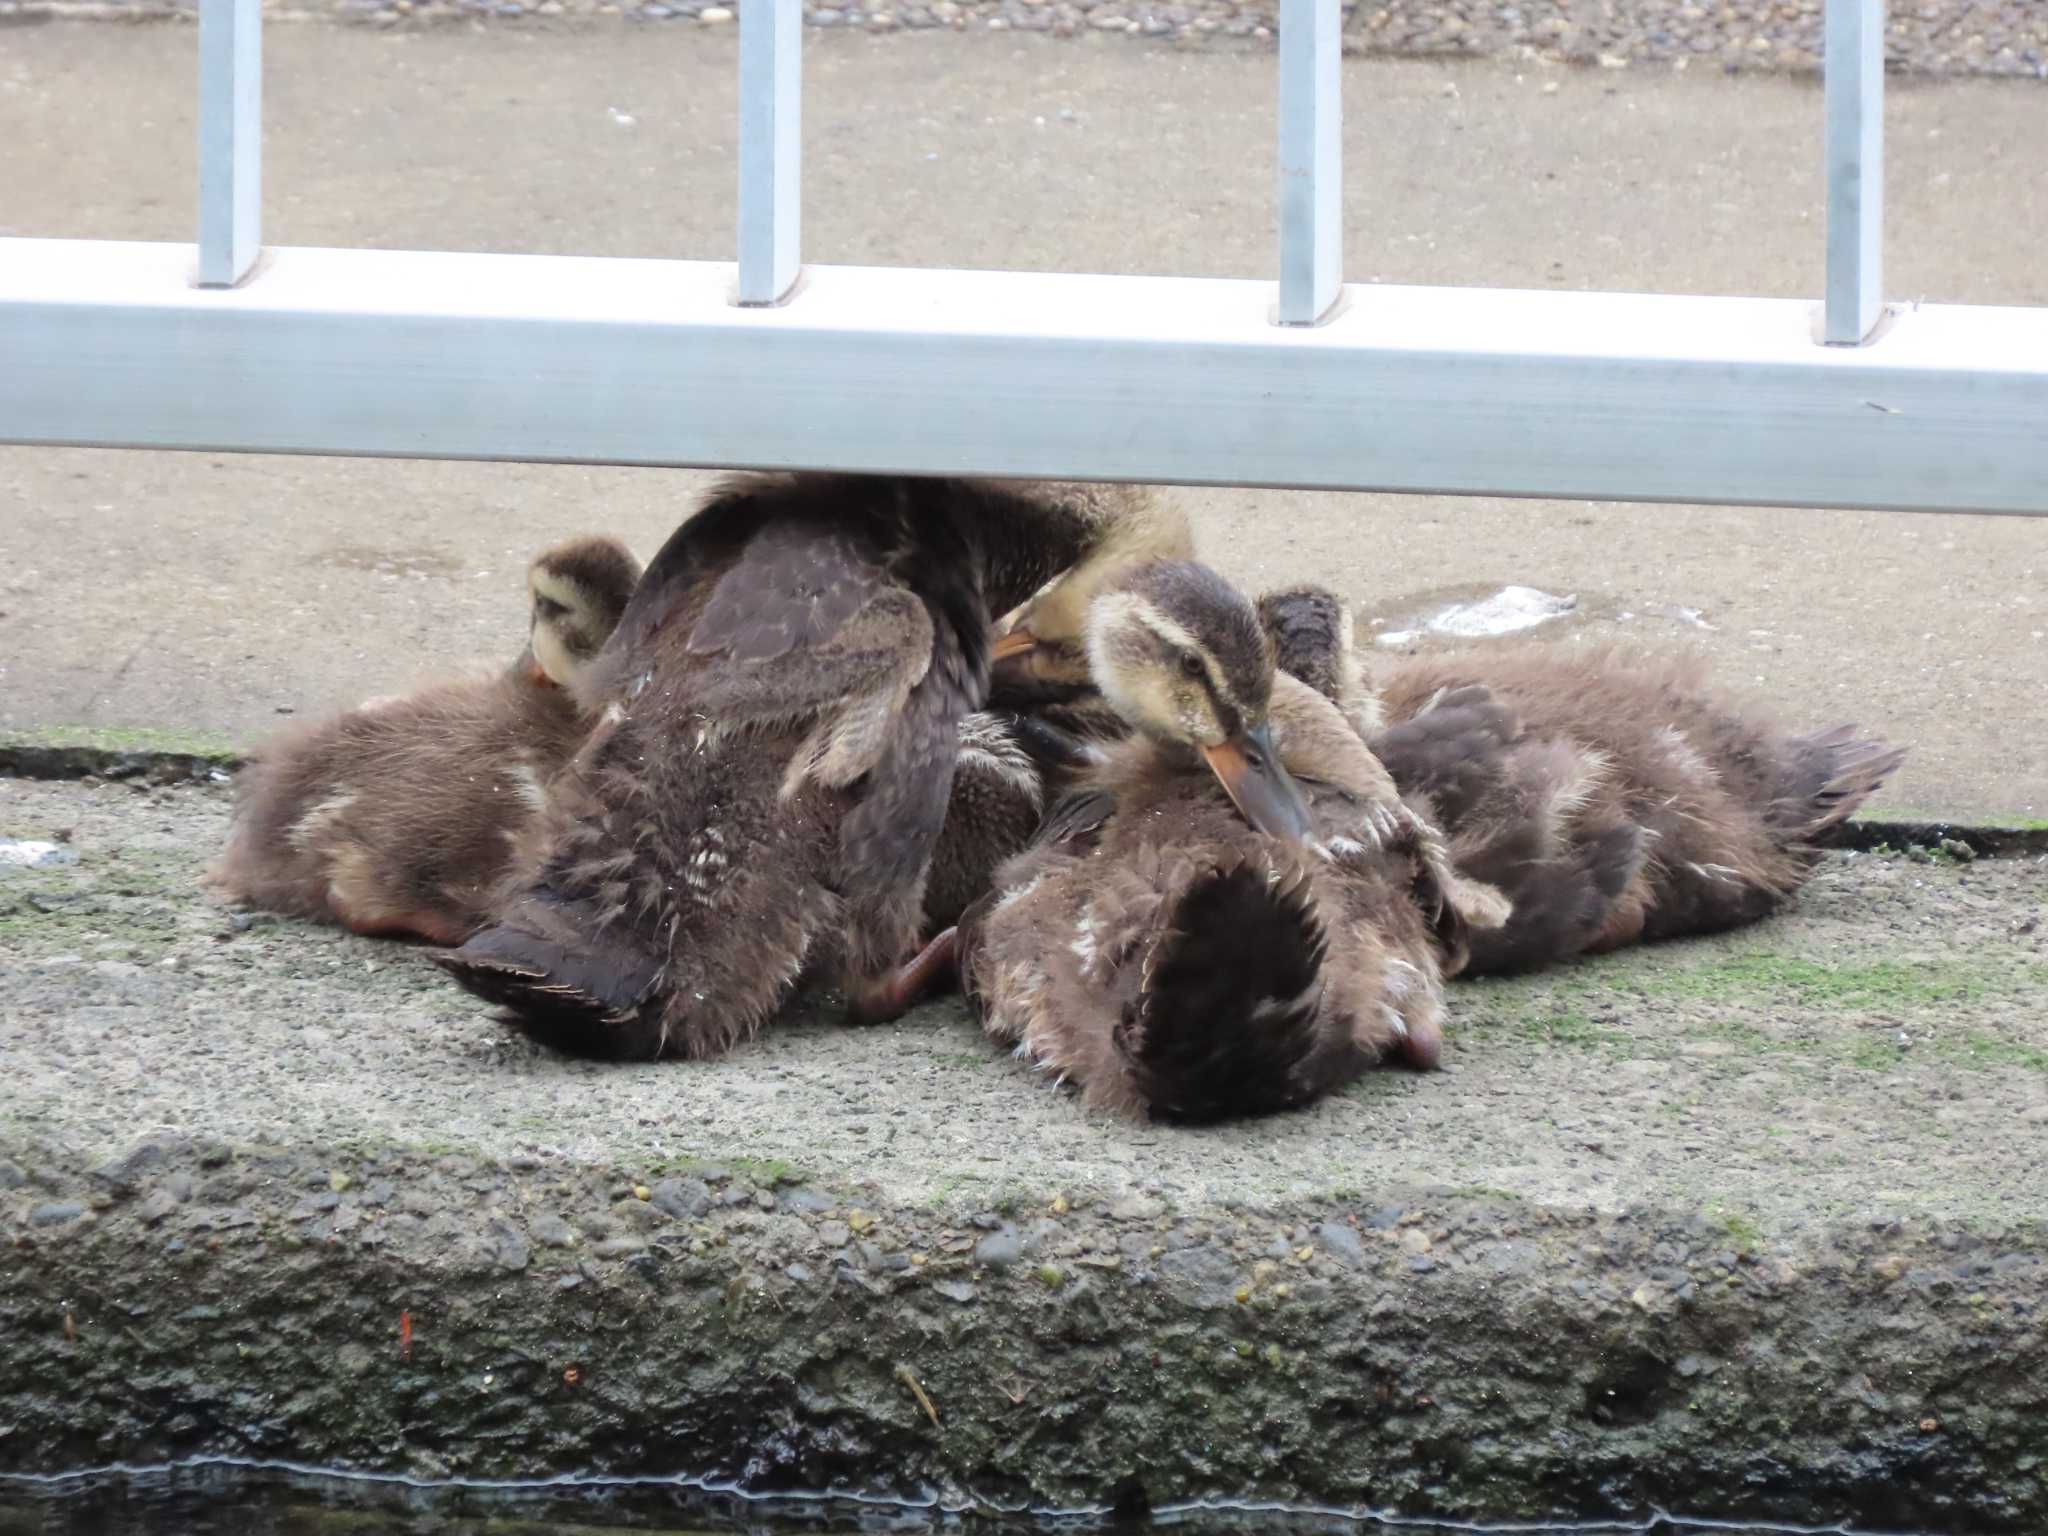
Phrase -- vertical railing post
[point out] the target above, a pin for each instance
(230, 139)
(1311, 160)
(771, 145)
(1855, 157)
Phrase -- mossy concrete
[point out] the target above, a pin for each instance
(1749, 1226)
(116, 752)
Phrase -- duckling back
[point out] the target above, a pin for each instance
(1228, 1018)
(397, 819)
(1613, 794)
(1181, 978)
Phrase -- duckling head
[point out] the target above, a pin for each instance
(1045, 641)
(578, 590)
(1178, 653)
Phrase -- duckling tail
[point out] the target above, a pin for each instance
(571, 995)
(1228, 1019)
(1823, 778)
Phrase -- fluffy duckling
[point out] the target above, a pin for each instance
(1042, 641)
(1011, 764)
(1234, 913)
(397, 818)
(1612, 794)
(1045, 724)
(780, 717)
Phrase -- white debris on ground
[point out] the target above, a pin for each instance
(23, 854)
(1680, 615)
(1510, 609)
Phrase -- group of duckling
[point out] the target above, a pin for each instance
(1182, 850)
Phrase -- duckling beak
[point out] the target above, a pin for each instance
(1019, 659)
(1259, 787)
(529, 667)
(1014, 642)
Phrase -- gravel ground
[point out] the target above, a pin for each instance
(1934, 37)
(1742, 1225)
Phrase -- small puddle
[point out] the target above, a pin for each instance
(234, 1497)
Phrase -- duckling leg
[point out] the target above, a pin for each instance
(1421, 1047)
(433, 927)
(894, 993)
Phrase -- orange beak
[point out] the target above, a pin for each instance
(1263, 791)
(1015, 642)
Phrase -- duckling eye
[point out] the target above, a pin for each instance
(548, 608)
(1191, 664)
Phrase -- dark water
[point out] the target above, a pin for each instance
(222, 1498)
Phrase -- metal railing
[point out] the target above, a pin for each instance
(764, 362)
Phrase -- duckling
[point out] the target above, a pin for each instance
(1042, 640)
(1234, 913)
(1042, 727)
(1612, 794)
(1010, 764)
(780, 714)
(398, 817)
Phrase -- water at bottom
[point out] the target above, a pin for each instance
(227, 1498)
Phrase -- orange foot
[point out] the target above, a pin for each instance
(892, 994)
(434, 927)
(1422, 1045)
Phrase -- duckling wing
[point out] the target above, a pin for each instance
(1451, 750)
(849, 691)
(1075, 822)
(794, 588)
(811, 630)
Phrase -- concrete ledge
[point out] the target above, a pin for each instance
(1549, 1362)
(1741, 1227)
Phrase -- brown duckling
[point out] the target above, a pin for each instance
(397, 818)
(1011, 764)
(1045, 724)
(1611, 793)
(1043, 640)
(780, 715)
(1234, 913)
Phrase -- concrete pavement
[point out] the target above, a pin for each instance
(212, 595)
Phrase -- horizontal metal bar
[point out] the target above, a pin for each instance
(1311, 161)
(230, 139)
(771, 147)
(1487, 391)
(1855, 168)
